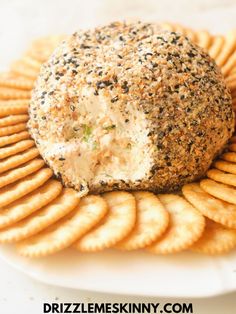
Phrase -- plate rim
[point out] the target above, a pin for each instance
(51, 282)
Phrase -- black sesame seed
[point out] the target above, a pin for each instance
(114, 99)
(84, 46)
(72, 108)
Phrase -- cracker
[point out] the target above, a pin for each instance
(19, 68)
(41, 219)
(230, 63)
(168, 26)
(16, 82)
(152, 221)
(230, 78)
(179, 29)
(31, 62)
(8, 130)
(233, 93)
(14, 138)
(219, 190)
(216, 239)
(66, 231)
(15, 148)
(216, 46)
(30, 203)
(20, 172)
(185, 31)
(13, 107)
(41, 48)
(191, 34)
(114, 227)
(13, 93)
(232, 86)
(233, 139)
(186, 226)
(12, 120)
(232, 147)
(19, 159)
(228, 48)
(203, 39)
(222, 177)
(225, 166)
(229, 156)
(234, 105)
(211, 207)
(14, 191)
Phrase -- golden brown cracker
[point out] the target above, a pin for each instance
(19, 159)
(13, 107)
(7, 93)
(219, 190)
(115, 226)
(31, 62)
(66, 231)
(203, 39)
(225, 166)
(211, 207)
(216, 239)
(20, 68)
(228, 48)
(229, 156)
(234, 105)
(22, 171)
(13, 120)
(229, 65)
(14, 191)
(15, 148)
(232, 147)
(41, 48)
(216, 46)
(14, 138)
(232, 86)
(41, 219)
(233, 139)
(186, 226)
(191, 34)
(152, 220)
(16, 82)
(168, 26)
(222, 177)
(29, 203)
(8, 130)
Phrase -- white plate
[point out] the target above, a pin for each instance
(138, 273)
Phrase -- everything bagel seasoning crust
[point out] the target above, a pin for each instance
(130, 106)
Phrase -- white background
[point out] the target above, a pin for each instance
(23, 20)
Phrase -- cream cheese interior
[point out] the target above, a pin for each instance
(103, 143)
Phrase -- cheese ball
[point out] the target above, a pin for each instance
(130, 106)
